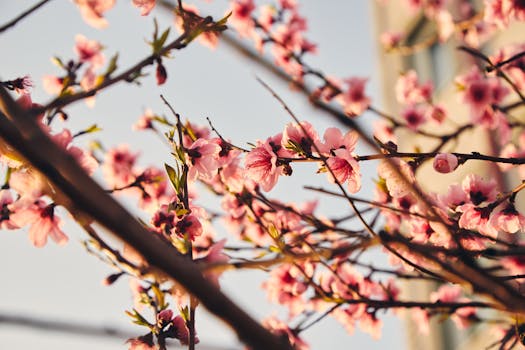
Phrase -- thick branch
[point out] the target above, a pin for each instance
(81, 195)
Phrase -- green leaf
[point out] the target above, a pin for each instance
(173, 176)
(159, 295)
(112, 65)
(57, 61)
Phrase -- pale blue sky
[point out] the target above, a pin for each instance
(64, 283)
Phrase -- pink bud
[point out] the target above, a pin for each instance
(165, 316)
(445, 163)
(161, 74)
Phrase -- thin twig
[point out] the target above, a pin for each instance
(23, 15)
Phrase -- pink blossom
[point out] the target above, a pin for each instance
(514, 264)
(261, 163)
(145, 121)
(52, 84)
(480, 94)
(29, 184)
(119, 165)
(145, 6)
(89, 51)
(421, 319)
(202, 159)
(288, 4)
(384, 131)
(398, 185)
(188, 226)
(344, 167)
(500, 12)
(266, 16)
(93, 11)
(478, 190)
(507, 219)
(334, 139)
(445, 23)
(144, 342)
(44, 223)
(86, 161)
(208, 38)
(354, 99)
(301, 136)
(180, 331)
(446, 294)
(391, 40)
(445, 163)
(409, 91)
(414, 116)
(370, 324)
(436, 113)
(281, 329)
(477, 218)
(241, 16)
(286, 287)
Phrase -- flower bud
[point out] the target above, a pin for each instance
(162, 74)
(445, 163)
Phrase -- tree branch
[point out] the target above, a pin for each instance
(82, 196)
(23, 15)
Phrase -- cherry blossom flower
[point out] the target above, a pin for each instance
(202, 159)
(261, 163)
(145, 121)
(188, 226)
(507, 219)
(334, 139)
(52, 84)
(354, 99)
(391, 40)
(478, 190)
(500, 12)
(414, 116)
(409, 91)
(241, 17)
(445, 163)
(93, 10)
(445, 25)
(422, 320)
(480, 94)
(89, 51)
(397, 185)
(44, 223)
(145, 6)
(286, 287)
(118, 167)
(344, 167)
(86, 161)
(280, 328)
(294, 137)
(144, 342)
(190, 17)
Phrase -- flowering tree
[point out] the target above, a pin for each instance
(467, 240)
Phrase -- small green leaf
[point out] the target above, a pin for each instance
(57, 61)
(173, 176)
(112, 65)
(159, 295)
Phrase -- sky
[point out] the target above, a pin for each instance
(64, 283)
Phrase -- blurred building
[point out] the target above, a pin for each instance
(440, 63)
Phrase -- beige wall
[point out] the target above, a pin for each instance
(393, 16)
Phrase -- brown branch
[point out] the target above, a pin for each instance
(23, 15)
(80, 194)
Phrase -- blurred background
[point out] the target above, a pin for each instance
(52, 298)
